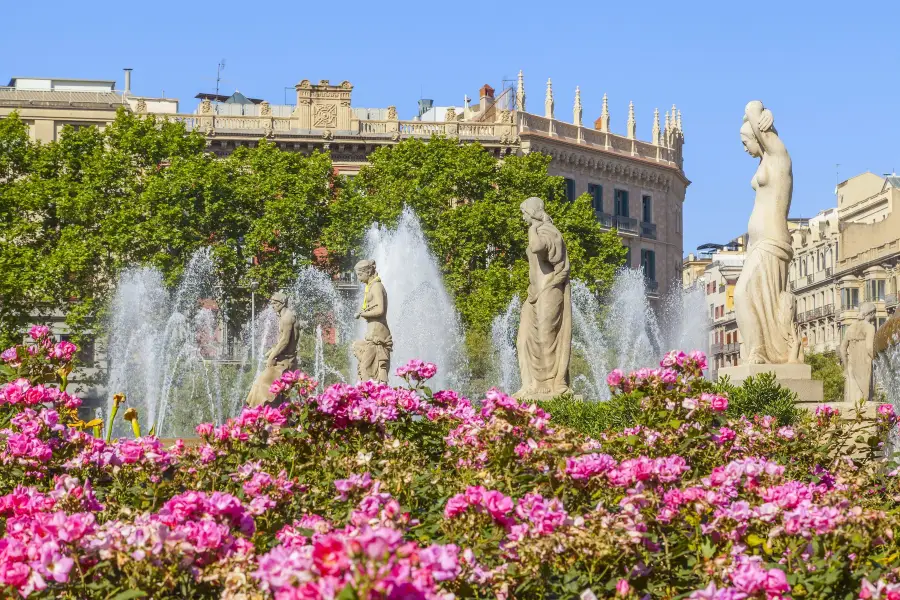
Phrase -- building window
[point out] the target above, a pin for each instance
(875, 290)
(628, 256)
(849, 298)
(596, 192)
(647, 209)
(621, 207)
(648, 264)
(570, 189)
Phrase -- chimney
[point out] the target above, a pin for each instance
(127, 81)
(487, 96)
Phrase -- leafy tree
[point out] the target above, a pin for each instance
(826, 366)
(468, 203)
(75, 212)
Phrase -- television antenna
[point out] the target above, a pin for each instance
(219, 69)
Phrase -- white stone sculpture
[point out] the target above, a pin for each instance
(544, 343)
(282, 356)
(763, 305)
(373, 352)
(857, 354)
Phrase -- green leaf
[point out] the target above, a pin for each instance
(129, 594)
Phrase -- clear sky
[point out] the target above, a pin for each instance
(828, 70)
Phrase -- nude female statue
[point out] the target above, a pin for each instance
(763, 305)
(373, 353)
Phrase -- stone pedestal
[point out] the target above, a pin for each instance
(797, 377)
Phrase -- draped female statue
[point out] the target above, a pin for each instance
(282, 356)
(763, 305)
(373, 352)
(544, 344)
(857, 354)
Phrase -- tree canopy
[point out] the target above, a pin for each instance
(468, 204)
(76, 211)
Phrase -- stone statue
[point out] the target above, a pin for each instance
(857, 354)
(763, 305)
(282, 356)
(544, 342)
(373, 353)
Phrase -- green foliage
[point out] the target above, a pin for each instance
(75, 212)
(761, 395)
(826, 366)
(468, 204)
(592, 417)
(145, 191)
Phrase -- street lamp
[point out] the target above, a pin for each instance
(253, 287)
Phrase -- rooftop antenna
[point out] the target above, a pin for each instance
(219, 69)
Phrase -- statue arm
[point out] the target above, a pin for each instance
(870, 343)
(375, 306)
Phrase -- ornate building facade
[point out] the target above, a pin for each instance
(636, 187)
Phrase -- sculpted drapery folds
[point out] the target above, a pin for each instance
(282, 356)
(857, 354)
(544, 342)
(373, 352)
(764, 307)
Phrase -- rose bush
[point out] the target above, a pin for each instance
(368, 491)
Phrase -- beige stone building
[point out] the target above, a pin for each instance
(844, 256)
(637, 187)
(719, 281)
(48, 104)
(868, 266)
(811, 279)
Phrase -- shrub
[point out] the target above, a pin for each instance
(827, 367)
(761, 395)
(369, 491)
(593, 417)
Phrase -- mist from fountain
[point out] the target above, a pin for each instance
(624, 332)
(421, 315)
(887, 375)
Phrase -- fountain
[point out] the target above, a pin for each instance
(887, 376)
(168, 354)
(624, 332)
(422, 318)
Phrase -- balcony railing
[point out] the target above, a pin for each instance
(716, 348)
(651, 284)
(732, 348)
(648, 230)
(626, 224)
(606, 220)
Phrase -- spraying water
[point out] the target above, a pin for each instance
(624, 332)
(423, 320)
(887, 375)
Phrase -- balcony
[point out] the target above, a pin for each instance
(605, 219)
(648, 230)
(651, 285)
(732, 348)
(626, 224)
(716, 348)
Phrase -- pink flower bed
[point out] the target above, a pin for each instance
(369, 491)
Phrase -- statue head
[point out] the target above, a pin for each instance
(533, 210)
(365, 270)
(867, 312)
(748, 138)
(278, 301)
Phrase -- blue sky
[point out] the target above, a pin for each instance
(828, 70)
